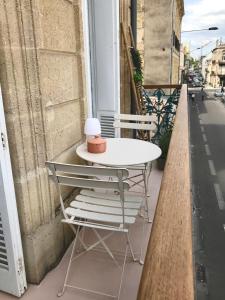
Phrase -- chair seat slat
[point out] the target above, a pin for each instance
(103, 208)
(93, 216)
(127, 197)
(108, 203)
(96, 225)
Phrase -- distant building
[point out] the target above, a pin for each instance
(218, 66)
(162, 31)
(215, 67)
(182, 63)
(206, 67)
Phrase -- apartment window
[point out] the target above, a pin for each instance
(176, 42)
(223, 55)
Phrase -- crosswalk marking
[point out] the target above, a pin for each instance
(207, 150)
(204, 137)
(219, 196)
(212, 167)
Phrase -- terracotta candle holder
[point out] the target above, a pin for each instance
(96, 145)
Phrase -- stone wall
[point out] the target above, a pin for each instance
(161, 59)
(175, 69)
(176, 54)
(140, 27)
(41, 72)
(157, 37)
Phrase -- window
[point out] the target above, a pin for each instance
(176, 42)
(223, 55)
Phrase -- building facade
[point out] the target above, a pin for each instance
(217, 67)
(162, 34)
(206, 67)
(43, 75)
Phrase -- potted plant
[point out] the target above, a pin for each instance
(164, 143)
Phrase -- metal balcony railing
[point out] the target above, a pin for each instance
(161, 101)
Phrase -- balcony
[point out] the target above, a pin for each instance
(168, 244)
(168, 262)
(221, 62)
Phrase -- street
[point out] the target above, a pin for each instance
(207, 133)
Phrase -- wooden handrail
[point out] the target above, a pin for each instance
(168, 268)
(161, 86)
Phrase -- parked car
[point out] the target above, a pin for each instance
(218, 94)
(197, 84)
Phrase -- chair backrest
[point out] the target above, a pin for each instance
(138, 122)
(81, 176)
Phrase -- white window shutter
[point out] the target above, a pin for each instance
(12, 272)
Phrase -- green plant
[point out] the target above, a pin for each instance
(138, 77)
(137, 61)
(164, 143)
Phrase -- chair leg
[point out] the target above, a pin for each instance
(80, 238)
(68, 268)
(146, 197)
(123, 269)
(91, 247)
(148, 176)
(106, 247)
(131, 248)
(141, 260)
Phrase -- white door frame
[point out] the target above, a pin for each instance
(96, 96)
(12, 275)
(87, 62)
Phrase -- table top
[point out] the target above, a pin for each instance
(122, 152)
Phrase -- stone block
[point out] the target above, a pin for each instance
(58, 27)
(140, 36)
(61, 78)
(63, 127)
(45, 247)
(140, 20)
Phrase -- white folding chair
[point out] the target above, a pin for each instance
(96, 210)
(138, 122)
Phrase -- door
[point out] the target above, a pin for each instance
(12, 272)
(103, 29)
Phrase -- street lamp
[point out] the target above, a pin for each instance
(200, 48)
(210, 28)
(195, 49)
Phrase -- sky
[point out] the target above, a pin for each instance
(201, 14)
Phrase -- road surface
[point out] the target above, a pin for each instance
(207, 134)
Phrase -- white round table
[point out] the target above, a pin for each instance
(122, 152)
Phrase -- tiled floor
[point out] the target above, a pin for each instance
(95, 270)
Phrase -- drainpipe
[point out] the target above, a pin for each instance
(134, 31)
(171, 52)
(134, 20)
